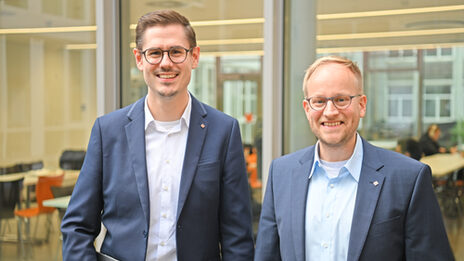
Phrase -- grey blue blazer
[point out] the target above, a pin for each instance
(397, 219)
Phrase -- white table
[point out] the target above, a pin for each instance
(443, 164)
(61, 202)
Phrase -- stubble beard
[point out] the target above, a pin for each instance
(168, 93)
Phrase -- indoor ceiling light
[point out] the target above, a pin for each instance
(231, 41)
(220, 22)
(41, 30)
(80, 46)
(328, 37)
(386, 47)
(390, 12)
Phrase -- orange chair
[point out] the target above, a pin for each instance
(252, 169)
(42, 192)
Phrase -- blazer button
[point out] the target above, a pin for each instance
(145, 234)
(179, 227)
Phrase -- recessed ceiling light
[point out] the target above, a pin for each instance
(174, 3)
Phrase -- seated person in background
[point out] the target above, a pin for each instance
(429, 141)
(409, 147)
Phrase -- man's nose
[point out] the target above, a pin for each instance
(165, 60)
(330, 108)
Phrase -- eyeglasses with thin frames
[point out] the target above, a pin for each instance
(177, 54)
(340, 102)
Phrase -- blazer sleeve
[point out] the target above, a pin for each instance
(425, 237)
(82, 222)
(235, 211)
(268, 242)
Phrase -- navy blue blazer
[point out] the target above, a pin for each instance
(213, 216)
(399, 219)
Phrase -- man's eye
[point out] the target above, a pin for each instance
(176, 51)
(154, 53)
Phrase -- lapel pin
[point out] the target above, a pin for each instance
(202, 126)
(375, 183)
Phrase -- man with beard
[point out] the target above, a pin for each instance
(344, 199)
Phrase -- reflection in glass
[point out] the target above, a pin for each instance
(47, 87)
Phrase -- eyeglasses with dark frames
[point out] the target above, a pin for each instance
(340, 102)
(177, 54)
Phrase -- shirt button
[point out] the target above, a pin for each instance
(167, 161)
(164, 215)
(165, 188)
(328, 215)
(332, 186)
(163, 243)
(325, 245)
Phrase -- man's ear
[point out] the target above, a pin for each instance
(195, 56)
(138, 58)
(363, 104)
(306, 108)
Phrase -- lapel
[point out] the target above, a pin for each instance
(299, 191)
(196, 135)
(366, 199)
(135, 134)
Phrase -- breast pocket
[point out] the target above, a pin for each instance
(208, 171)
(392, 226)
(207, 178)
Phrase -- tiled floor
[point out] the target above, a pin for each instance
(50, 251)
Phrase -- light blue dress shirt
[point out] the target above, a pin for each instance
(330, 206)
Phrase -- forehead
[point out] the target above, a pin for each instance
(332, 77)
(164, 36)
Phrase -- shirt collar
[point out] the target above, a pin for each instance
(184, 118)
(353, 165)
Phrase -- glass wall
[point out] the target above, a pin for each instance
(412, 59)
(47, 79)
(411, 54)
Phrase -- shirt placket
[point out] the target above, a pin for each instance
(166, 187)
(328, 219)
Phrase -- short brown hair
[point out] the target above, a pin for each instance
(163, 17)
(333, 59)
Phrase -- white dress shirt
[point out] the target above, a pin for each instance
(330, 205)
(165, 144)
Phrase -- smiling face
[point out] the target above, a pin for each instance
(166, 79)
(333, 127)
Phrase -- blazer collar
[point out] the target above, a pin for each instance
(135, 134)
(370, 184)
(366, 200)
(299, 188)
(195, 139)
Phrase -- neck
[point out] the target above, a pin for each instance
(333, 153)
(167, 108)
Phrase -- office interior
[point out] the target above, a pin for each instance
(65, 62)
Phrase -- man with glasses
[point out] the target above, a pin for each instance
(166, 175)
(343, 198)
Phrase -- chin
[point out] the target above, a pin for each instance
(332, 141)
(167, 94)
(166, 91)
